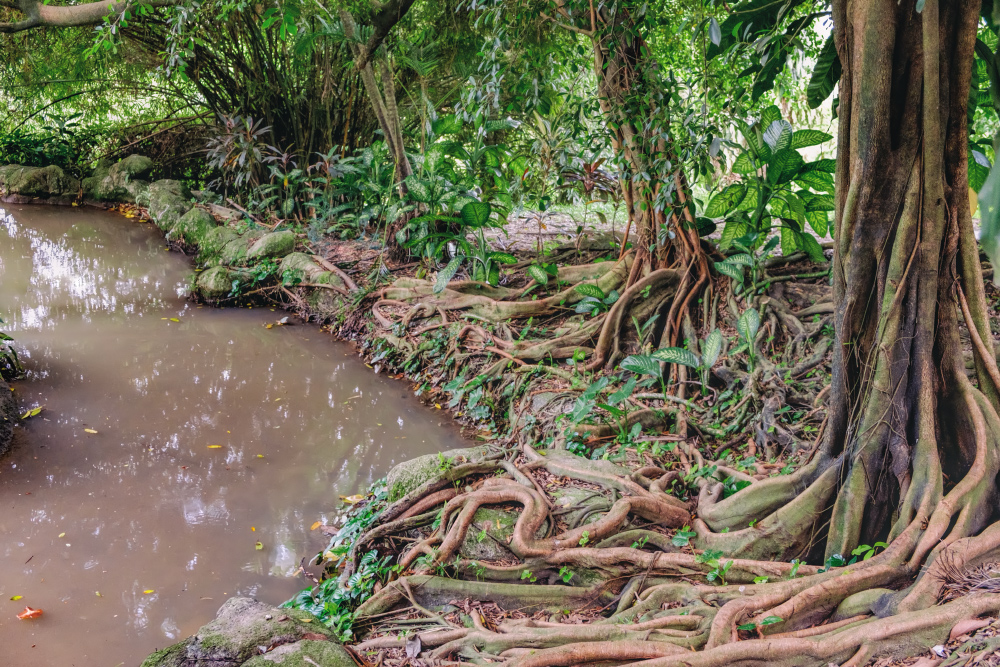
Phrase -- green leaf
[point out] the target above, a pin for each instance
(789, 241)
(769, 115)
(642, 364)
(615, 412)
(726, 201)
(827, 165)
(449, 124)
(819, 221)
(503, 257)
(778, 135)
(815, 180)
(476, 214)
(748, 325)
(804, 138)
(813, 248)
(677, 355)
(735, 228)
(711, 348)
(538, 274)
(589, 289)
(447, 273)
(825, 74)
(727, 269)
(770, 620)
(743, 164)
(784, 166)
(743, 259)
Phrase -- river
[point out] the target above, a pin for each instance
(183, 453)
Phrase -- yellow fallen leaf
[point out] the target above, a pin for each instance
(351, 500)
(268, 326)
(98, 594)
(437, 405)
(174, 319)
(260, 456)
(89, 430)
(148, 591)
(316, 525)
(306, 620)
(62, 534)
(215, 446)
(163, 318)
(17, 597)
(252, 529)
(258, 546)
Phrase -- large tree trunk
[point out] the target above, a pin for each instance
(903, 416)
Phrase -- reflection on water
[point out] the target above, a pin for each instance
(212, 432)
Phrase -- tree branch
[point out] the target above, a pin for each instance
(38, 15)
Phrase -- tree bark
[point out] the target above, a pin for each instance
(903, 415)
(39, 15)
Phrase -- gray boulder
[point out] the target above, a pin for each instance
(275, 244)
(408, 475)
(191, 230)
(169, 200)
(245, 628)
(119, 182)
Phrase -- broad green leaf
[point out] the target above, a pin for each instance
(771, 620)
(734, 229)
(449, 124)
(813, 248)
(826, 74)
(726, 201)
(827, 165)
(816, 202)
(642, 364)
(589, 289)
(711, 348)
(538, 274)
(789, 241)
(797, 208)
(615, 412)
(476, 214)
(769, 115)
(447, 273)
(819, 221)
(815, 180)
(748, 325)
(742, 259)
(778, 135)
(743, 164)
(623, 392)
(784, 166)
(805, 138)
(503, 257)
(677, 355)
(727, 269)
(979, 169)
(493, 275)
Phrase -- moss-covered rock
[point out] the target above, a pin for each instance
(235, 252)
(8, 416)
(299, 267)
(191, 230)
(216, 283)
(489, 535)
(26, 183)
(237, 634)
(408, 475)
(275, 244)
(213, 243)
(169, 200)
(120, 182)
(306, 653)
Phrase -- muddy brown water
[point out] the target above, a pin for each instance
(213, 433)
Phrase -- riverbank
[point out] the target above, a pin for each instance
(522, 366)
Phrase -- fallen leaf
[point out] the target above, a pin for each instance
(260, 456)
(29, 613)
(62, 534)
(258, 546)
(34, 412)
(89, 430)
(17, 597)
(306, 620)
(413, 646)
(968, 626)
(174, 319)
(215, 446)
(352, 500)
(148, 591)
(316, 525)
(98, 594)
(252, 529)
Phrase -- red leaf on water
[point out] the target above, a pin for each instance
(29, 613)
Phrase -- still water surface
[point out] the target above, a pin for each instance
(213, 433)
